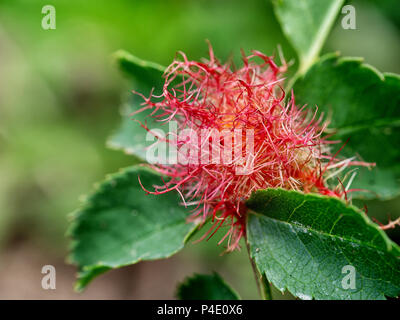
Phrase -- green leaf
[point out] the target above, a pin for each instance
(120, 225)
(131, 137)
(363, 105)
(148, 74)
(303, 242)
(206, 287)
(306, 23)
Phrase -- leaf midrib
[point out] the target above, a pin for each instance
(367, 245)
(323, 30)
(371, 123)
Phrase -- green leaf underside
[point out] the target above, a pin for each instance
(363, 105)
(131, 137)
(145, 72)
(206, 287)
(120, 225)
(306, 23)
(302, 242)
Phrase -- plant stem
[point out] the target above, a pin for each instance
(291, 83)
(263, 285)
(265, 288)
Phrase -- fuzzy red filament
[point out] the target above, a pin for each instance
(288, 150)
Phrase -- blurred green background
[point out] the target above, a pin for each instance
(59, 101)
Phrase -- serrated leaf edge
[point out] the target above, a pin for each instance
(392, 247)
(74, 222)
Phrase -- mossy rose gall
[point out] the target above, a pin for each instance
(209, 100)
